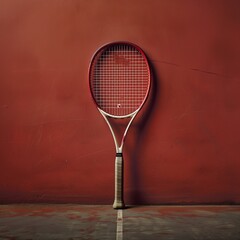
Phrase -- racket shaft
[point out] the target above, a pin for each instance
(118, 201)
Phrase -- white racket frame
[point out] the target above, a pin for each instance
(118, 199)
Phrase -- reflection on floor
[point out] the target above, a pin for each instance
(72, 222)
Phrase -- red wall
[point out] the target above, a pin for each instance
(182, 148)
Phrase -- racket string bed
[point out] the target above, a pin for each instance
(120, 80)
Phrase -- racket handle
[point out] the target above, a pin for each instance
(118, 201)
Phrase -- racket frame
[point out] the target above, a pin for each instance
(118, 200)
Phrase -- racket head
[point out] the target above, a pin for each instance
(119, 79)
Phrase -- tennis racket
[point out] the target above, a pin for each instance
(119, 80)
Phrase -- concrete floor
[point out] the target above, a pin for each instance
(102, 222)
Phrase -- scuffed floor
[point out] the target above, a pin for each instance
(70, 222)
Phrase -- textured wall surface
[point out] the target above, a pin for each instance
(184, 145)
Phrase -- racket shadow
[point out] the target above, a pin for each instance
(136, 196)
